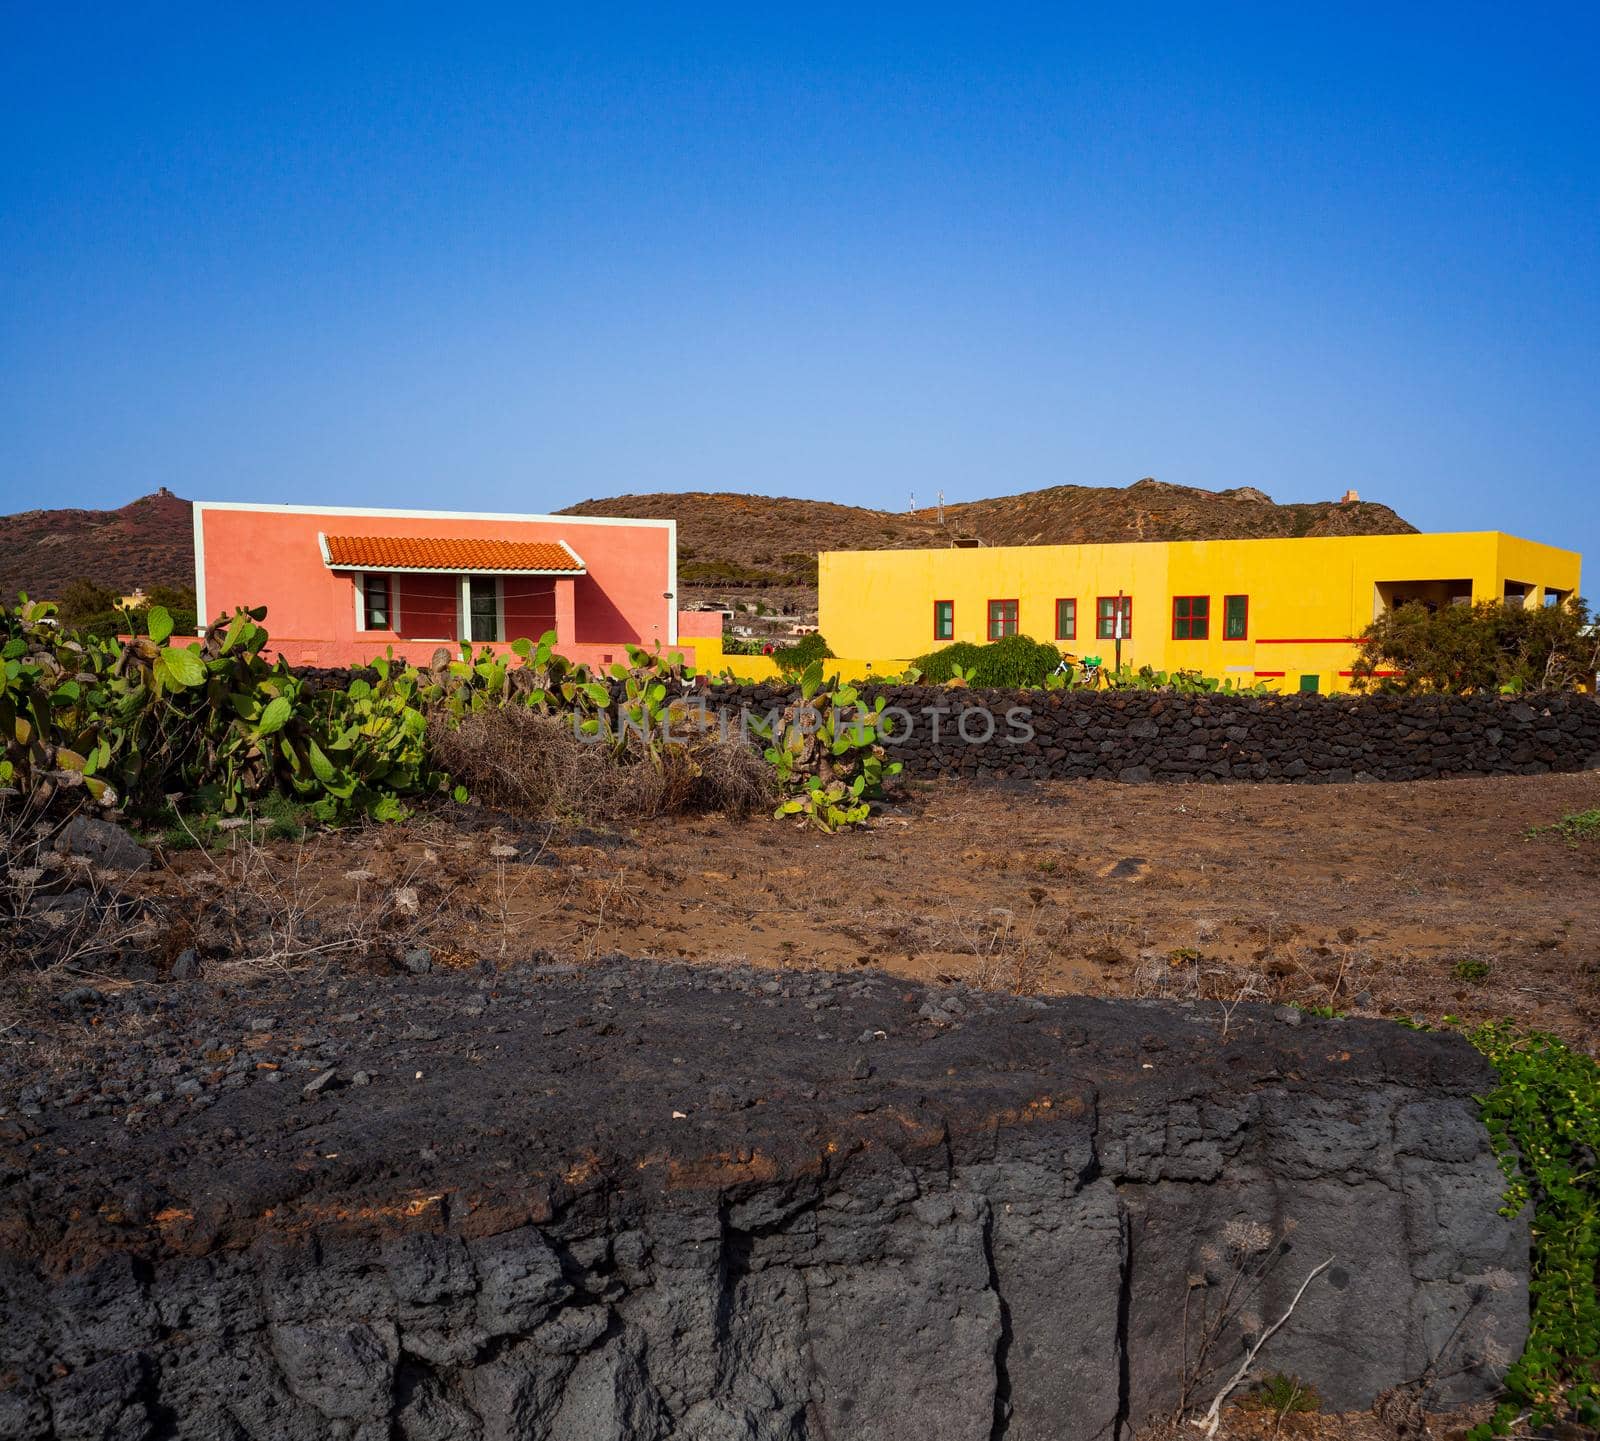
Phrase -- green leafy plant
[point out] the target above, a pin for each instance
(826, 750)
(51, 689)
(1283, 1395)
(1184, 682)
(830, 806)
(1543, 1118)
(1470, 970)
(1574, 828)
(128, 723)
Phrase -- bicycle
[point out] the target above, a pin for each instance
(1089, 670)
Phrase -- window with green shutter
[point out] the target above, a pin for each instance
(1235, 617)
(944, 619)
(1067, 619)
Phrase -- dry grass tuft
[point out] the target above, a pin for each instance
(60, 916)
(263, 905)
(534, 765)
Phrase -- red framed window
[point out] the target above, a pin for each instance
(1002, 619)
(1191, 617)
(1106, 610)
(1067, 618)
(1236, 617)
(944, 620)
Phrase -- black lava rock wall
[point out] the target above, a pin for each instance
(1159, 736)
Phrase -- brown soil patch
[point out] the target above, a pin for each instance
(1426, 899)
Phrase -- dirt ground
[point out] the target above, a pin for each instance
(1425, 899)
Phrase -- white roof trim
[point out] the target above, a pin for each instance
(275, 508)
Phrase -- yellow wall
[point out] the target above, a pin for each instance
(1308, 598)
(709, 656)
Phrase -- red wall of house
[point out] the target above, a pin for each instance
(270, 557)
(428, 606)
(530, 604)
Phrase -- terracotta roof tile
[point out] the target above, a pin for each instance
(389, 552)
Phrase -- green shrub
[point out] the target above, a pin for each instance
(285, 821)
(97, 611)
(1019, 662)
(1543, 1118)
(1491, 646)
(797, 657)
(1014, 663)
(939, 666)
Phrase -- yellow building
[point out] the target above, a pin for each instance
(1283, 612)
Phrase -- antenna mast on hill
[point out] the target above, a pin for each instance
(941, 508)
(913, 505)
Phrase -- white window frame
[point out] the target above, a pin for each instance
(464, 608)
(362, 628)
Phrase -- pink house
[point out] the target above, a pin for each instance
(344, 585)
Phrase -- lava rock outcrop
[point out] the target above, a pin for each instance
(647, 1202)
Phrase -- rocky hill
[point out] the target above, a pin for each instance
(1153, 510)
(728, 543)
(731, 543)
(149, 541)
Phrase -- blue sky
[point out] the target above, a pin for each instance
(510, 256)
